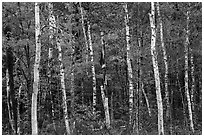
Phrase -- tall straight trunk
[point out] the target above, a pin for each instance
(130, 74)
(186, 73)
(34, 121)
(168, 110)
(156, 70)
(18, 110)
(192, 82)
(52, 27)
(62, 83)
(92, 68)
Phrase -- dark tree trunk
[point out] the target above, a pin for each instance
(13, 100)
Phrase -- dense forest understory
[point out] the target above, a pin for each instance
(108, 68)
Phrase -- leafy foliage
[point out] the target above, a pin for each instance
(19, 32)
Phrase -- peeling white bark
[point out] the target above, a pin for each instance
(156, 70)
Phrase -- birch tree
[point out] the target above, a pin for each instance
(192, 81)
(186, 79)
(92, 68)
(146, 99)
(84, 32)
(168, 110)
(18, 110)
(52, 27)
(103, 87)
(156, 70)
(62, 83)
(130, 74)
(36, 71)
(138, 83)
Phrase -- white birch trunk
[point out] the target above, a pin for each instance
(84, 31)
(92, 68)
(106, 108)
(156, 70)
(36, 71)
(165, 61)
(18, 110)
(130, 75)
(168, 108)
(52, 27)
(192, 82)
(62, 82)
(186, 73)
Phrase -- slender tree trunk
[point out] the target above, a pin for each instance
(36, 71)
(200, 90)
(52, 27)
(29, 70)
(62, 80)
(192, 84)
(168, 110)
(86, 43)
(10, 114)
(104, 93)
(156, 70)
(130, 74)
(171, 96)
(12, 96)
(84, 31)
(18, 110)
(146, 99)
(186, 73)
(106, 108)
(138, 81)
(82, 95)
(112, 107)
(72, 84)
(28, 84)
(179, 86)
(93, 68)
